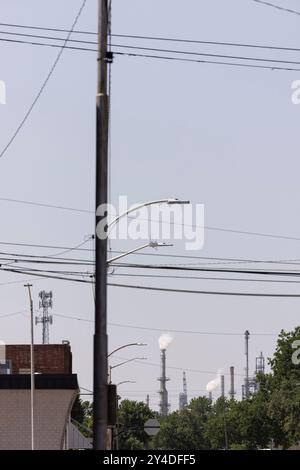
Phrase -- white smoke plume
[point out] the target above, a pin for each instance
(215, 383)
(164, 341)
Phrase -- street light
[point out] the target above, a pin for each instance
(124, 362)
(169, 201)
(126, 382)
(151, 244)
(126, 346)
(100, 333)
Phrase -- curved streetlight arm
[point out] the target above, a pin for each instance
(150, 244)
(126, 382)
(115, 258)
(126, 346)
(128, 360)
(145, 204)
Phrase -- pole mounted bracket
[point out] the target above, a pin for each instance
(109, 57)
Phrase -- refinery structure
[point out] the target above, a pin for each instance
(250, 383)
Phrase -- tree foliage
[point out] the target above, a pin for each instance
(132, 416)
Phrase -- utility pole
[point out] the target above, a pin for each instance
(100, 336)
(31, 366)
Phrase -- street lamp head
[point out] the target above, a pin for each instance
(154, 244)
(177, 201)
(141, 344)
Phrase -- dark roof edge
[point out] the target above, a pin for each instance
(42, 381)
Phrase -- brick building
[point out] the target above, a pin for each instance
(48, 358)
(55, 391)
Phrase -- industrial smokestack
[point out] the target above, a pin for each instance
(164, 341)
(231, 391)
(210, 397)
(246, 386)
(183, 398)
(222, 386)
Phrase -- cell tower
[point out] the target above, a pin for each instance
(183, 399)
(44, 318)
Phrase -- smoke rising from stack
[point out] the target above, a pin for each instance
(164, 341)
(215, 383)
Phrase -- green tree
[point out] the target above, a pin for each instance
(282, 365)
(184, 430)
(132, 416)
(82, 414)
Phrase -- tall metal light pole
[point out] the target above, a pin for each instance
(31, 366)
(100, 335)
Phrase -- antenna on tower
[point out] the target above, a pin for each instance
(44, 318)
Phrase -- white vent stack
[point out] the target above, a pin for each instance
(164, 341)
(213, 384)
(231, 391)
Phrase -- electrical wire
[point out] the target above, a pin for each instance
(202, 54)
(205, 278)
(63, 278)
(277, 7)
(202, 292)
(51, 206)
(172, 330)
(190, 332)
(5, 315)
(31, 107)
(147, 38)
(206, 227)
(155, 364)
(169, 58)
(203, 61)
(175, 267)
(172, 51)
(41, 28)
(32, 43)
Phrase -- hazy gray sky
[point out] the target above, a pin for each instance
(223, 136)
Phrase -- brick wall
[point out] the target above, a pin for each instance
(48, 358)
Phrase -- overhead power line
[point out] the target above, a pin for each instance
(178, 59)
(51, 206)
(264, 272)
(143, 38)
(31, 107)
(206, 278)
(203, 61)
(43, 28)
(172, 330)
(155, 364)
(277, 7)
(5, 315)
(192, 332)
(48, 276)
(202, 292)
(203, 54)
(206, 227)
(172, 51)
